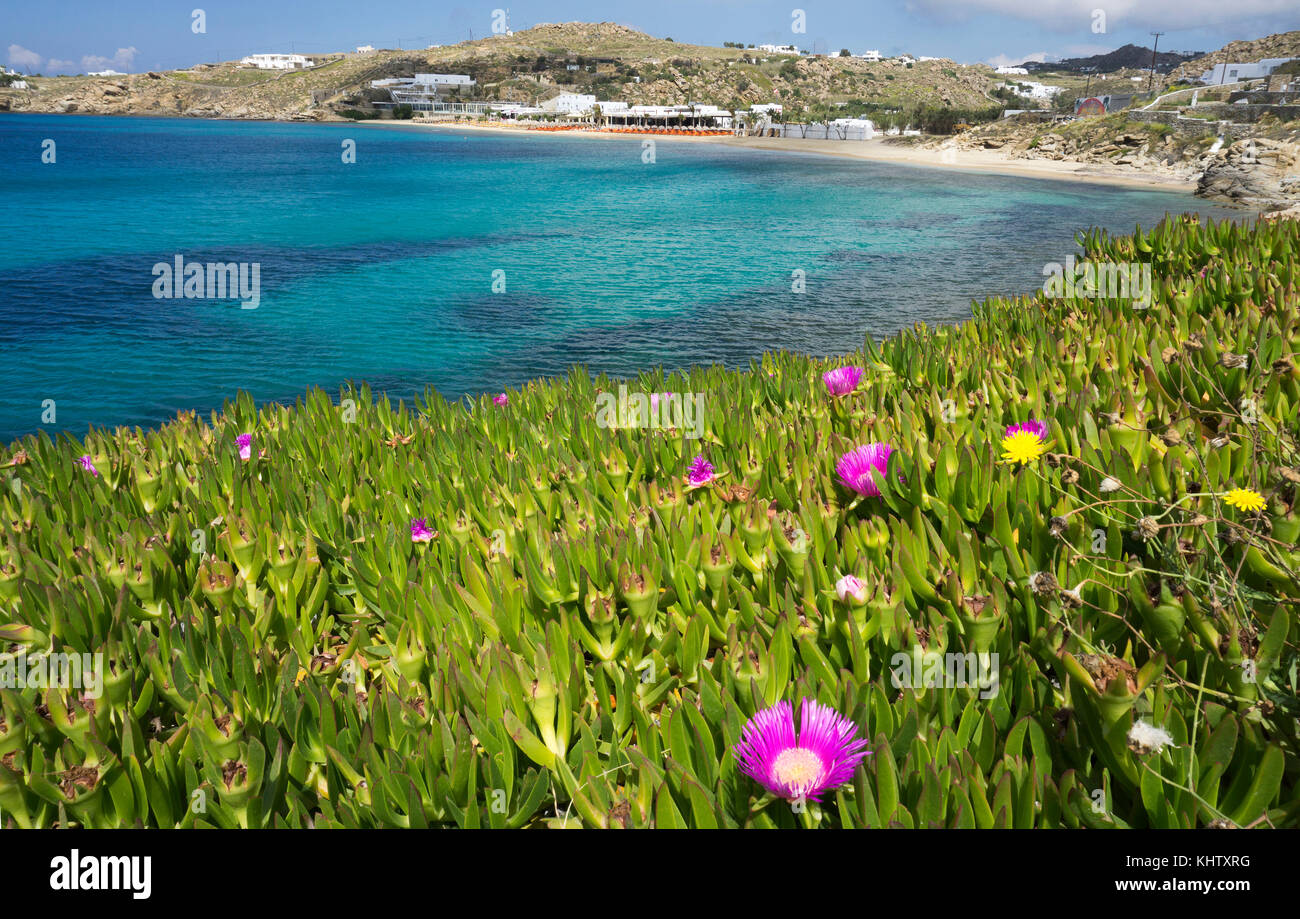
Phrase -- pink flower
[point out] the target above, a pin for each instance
(420, 531)
(245, 443)
(501, 399)
(822, 758)
(700, 472)
(854, 467)
(87, 465)
(842, 380)
(850, 586)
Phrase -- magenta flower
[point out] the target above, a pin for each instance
(501, 399)
(420, 531)
(700, 472)
(842, 380)
(821, 759)
(1032, 426)
(87, 465)
(245, 443)
(854, 467)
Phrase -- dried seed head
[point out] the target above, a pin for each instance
(1144, 738)
(1109, 484)
(1290, 475)
(1071, 599)
(1231, 361)
(1069, 477)
(1199, 520)
(1220, 441)
(1043, 583)
(1148, 528)
(1171, 438)
(1168, 354)
(1057, 526)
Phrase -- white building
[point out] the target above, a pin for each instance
(1019, 71)
(277, 61)
(779, 49)
(456, 81)
(1032, 90)
(853, 128)
(513, 110)
(870, 55)
(570, 103)
(766, 108)
(105, 73)
(1232, 73)
(365, 49)
(671, 116)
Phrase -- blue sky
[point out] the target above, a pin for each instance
(73, 36)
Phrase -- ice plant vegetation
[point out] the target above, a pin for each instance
(501, 399)
(821, 758)
(855, 467)
(585, 637)
(1243, 499)
(842, 380)
(245, 444)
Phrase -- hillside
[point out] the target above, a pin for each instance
(1128, 56)
(614, 62)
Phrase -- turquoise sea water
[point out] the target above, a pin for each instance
(383, 270)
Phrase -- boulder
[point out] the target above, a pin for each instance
(1255, 173)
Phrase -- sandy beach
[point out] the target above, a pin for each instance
(878, 149)
(883, 151)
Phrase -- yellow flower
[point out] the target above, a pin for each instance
(1243, 499)
(1022, 447)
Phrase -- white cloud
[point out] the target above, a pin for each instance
(120, 61)
(1012, 60)
(54, 65)
(22, 59)
(1069, 15)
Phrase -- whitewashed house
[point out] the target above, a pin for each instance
(277, 61)
(1232, 73)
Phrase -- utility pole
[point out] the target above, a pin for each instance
(1154, 45)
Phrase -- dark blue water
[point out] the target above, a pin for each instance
(383, 270)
